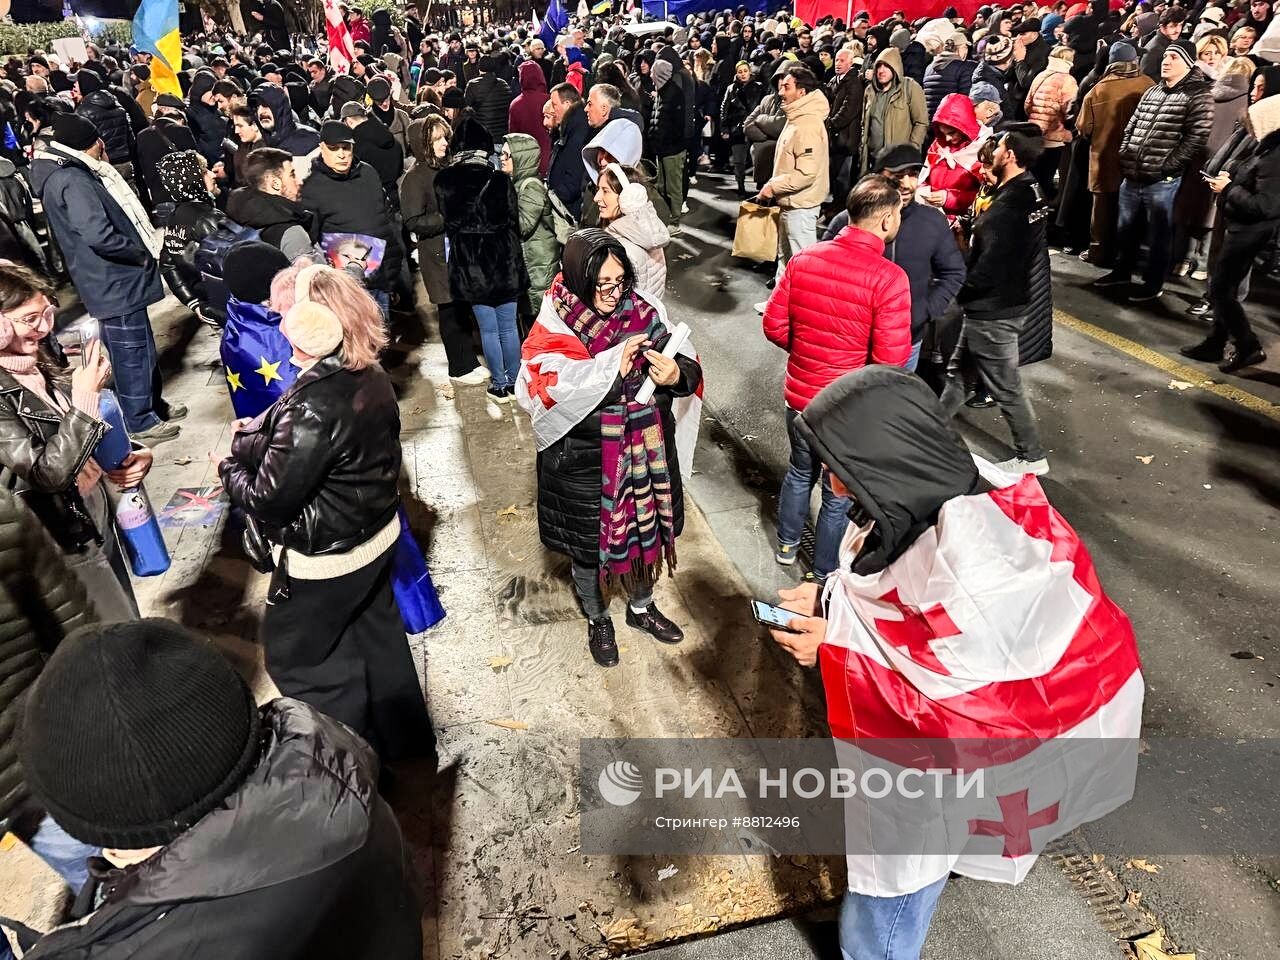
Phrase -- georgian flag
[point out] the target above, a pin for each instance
(341, 50)
(989, 644)
(560, 383)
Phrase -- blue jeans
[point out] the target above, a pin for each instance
(132, 350)
(64, 853)
(887, 928)
(383, 299)
(793, 504)
(913, 361)
(1157, 199)
(501, 341)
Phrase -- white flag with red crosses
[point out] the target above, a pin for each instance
(988, 646)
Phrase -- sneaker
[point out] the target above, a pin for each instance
(981, 400)
(498, 394)
(786, 553)
(1019, 466)
(1145, 294)
(1239, 359)
(1182, 269)
(1111, 279)
(771, 283)
(1199, 308)
(693, 182)
(684, 208)
(476, 377)
(176, 411)
(1206, 351)
(759, 307)
(161, 432)
(602, 643)
(492, 410)
(652, 621)
(1200, 275)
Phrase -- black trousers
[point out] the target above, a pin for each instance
(1227, 287)
(339, 645)
(455, 333)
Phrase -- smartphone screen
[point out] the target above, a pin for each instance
(773, 616)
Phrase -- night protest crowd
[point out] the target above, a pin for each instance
(523, 193)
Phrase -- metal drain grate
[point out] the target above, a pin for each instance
(1104, 894)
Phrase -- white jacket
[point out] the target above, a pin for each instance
(643, 235)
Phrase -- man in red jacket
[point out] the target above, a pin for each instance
(839, 306)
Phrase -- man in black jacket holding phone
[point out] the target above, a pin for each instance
(996, 297)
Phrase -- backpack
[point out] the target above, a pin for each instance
(561, 219)
(210, 255)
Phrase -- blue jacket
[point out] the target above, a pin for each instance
(926, 249)
(112, 269)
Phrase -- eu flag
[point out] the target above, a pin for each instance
(553, 22)
(256, 357)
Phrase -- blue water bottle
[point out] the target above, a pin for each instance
(136, 521)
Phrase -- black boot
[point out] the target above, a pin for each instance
(601, 642)
(1208, 350)
(1242, 355)
(652, 622)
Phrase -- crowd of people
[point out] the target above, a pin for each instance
(521, 195)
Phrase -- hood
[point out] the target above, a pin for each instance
(375, 133)
(892, 57)
(1048, 25)
(525, 155)
(1122, 68)
(670, 56)
(1264, 118)
(201, 84)
(251, 207)
(276, 99)
(956, 110)
(639, 222)
(813, 104)
(1229, 87)
(621, 139)
(900, 38)
(305, 806)
(415, 136)
(183, 176)
(1057, 65)
(882, 431)
(532, 79)
(48, 158)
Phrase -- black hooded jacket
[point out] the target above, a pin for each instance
(288, 134)
(208, 126)
(376, 146)
(354, 202)
(882, 431)
(303, 860)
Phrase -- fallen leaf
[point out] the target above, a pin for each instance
(1143, 865)
(1180, 385)
(510, 724)
(182, 461)
(749, 436)
(497, 663)
(447, 393)
(1151, 947)
(1218, 809)
(1145, 459)
(1133, 898)
(511, 511)
(1207, 486)
(667, 872)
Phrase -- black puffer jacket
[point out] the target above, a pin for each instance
(569, 474)
(185, 225)
(101, 108)
(1008, 239)
(946, 75)
(354, 202)
(319, 470)
(1035, 342)
(303, 861)
(1169, 129)
(41, 451)
(41, 601)
(490, 98)
(482, 222)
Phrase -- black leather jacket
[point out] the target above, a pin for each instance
(318, 470)
(185, 225)
(41, 452)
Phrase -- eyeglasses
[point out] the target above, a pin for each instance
(609, 291)
(34, 321)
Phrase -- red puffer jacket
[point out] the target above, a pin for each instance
(954, 170)
(839, 306)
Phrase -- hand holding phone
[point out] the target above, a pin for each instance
(774, 617)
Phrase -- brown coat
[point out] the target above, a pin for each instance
(145, 95)
(1104, 115)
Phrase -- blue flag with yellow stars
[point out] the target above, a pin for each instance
(255, 357)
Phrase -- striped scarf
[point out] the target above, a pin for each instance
(637, 519)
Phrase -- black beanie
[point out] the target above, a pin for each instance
(453, 99)
(134, 731)
(89, 82)
(249, 268)
(74, 131)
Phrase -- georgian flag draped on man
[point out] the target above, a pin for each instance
(966, 629)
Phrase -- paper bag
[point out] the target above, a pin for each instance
(756, 236)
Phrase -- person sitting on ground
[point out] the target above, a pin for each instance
(208, 817)
(627, 213)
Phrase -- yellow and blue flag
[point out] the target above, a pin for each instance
(155, 31)
(602, 7)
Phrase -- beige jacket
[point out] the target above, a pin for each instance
(801, 166)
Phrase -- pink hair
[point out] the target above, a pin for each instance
(363, 334)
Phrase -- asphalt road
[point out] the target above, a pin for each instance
(1171, 481)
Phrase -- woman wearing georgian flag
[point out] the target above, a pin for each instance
(609, 486)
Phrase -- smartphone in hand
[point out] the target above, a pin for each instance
(775, 617)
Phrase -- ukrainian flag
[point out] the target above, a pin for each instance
(155, 31)
(604, 6)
